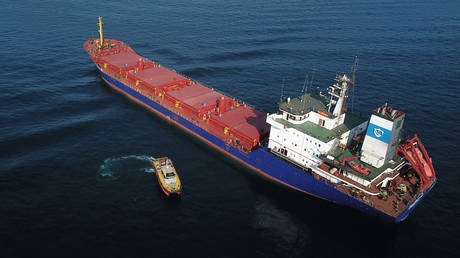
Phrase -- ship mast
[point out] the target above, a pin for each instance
(101, 38)
(338, 93)
(339, 90)
(342, 85)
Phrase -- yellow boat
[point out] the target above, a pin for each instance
(167, 176)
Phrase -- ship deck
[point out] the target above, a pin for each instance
(306, 103)
(338, 154)
(321, 133)
(236, 123)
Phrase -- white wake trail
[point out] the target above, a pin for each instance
(113, 168)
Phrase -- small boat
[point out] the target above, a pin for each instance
(359, 168)
(167, 176)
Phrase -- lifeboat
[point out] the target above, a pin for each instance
(359, 168)
(167, 176)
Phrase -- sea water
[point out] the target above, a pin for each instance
(74, 153)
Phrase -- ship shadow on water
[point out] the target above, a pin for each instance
(322, 224)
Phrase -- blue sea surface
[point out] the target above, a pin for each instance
(75, 178)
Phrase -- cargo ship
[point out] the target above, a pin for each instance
(312, 144)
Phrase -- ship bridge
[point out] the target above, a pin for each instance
(304, 104)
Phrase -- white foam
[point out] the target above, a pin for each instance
(113, 168)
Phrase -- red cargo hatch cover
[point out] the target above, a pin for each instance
(158, 76)
(247, 121)
(196, 95)
(121, 59)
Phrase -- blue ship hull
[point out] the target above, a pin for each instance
(261, 161)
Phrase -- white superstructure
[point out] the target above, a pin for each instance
(305, 128)
(315, 132)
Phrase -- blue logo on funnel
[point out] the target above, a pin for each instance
(378, 133)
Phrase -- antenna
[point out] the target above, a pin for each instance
(353, 70)
(353, 77)
(282, 88)
(311, 81)
(304, 83)
(304, 92)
